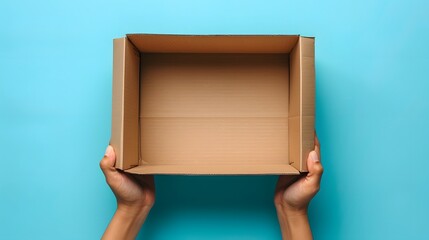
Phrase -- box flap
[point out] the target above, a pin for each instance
(125, 103)
(307, 99)
(164, 43)
(301, 103)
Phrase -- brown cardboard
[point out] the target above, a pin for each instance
(218, 104)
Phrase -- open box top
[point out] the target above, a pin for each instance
(213, 104)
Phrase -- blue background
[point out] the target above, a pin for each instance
(372, 116)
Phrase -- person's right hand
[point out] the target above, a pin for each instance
(135, 196)
(293, 195)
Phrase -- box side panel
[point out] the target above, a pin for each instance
(308, 98)
(131, 106)
(294, 107)
(117, 99)
(125, 107)
(277, 169)
(307, 76)
(301, 103)
(214, 85)
(160, 43)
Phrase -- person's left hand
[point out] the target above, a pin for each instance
(135, 195)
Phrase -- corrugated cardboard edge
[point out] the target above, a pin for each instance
(301, 119)
(217, 43)
(216, 169)
(125, 109)
(308, 99)
(305, 118)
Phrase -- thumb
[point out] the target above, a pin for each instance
(107, 164)
(315, 168)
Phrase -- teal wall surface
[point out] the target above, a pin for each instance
(372, 119)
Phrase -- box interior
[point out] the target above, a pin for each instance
(211, 104)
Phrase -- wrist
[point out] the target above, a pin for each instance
(126, 222)
(291, 211)
(293, 222)
(133, 211)
(296, 216)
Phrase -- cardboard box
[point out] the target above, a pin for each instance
(213, 104)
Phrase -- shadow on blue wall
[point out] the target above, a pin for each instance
(212, 200)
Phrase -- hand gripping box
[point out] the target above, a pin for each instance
(213, 104)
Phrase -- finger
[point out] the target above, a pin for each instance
(147, 181)
(107, 164)
(284, 181)
(317, 145)
(315, 168)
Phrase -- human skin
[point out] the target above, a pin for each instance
(135, 196)
(292, 197)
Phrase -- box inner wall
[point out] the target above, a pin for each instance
(211, 109)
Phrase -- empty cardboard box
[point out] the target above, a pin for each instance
(213, 104)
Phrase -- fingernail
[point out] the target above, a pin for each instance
(314, 157)
(109, 152)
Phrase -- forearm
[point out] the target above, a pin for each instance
(126, 223)
(294, 225)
